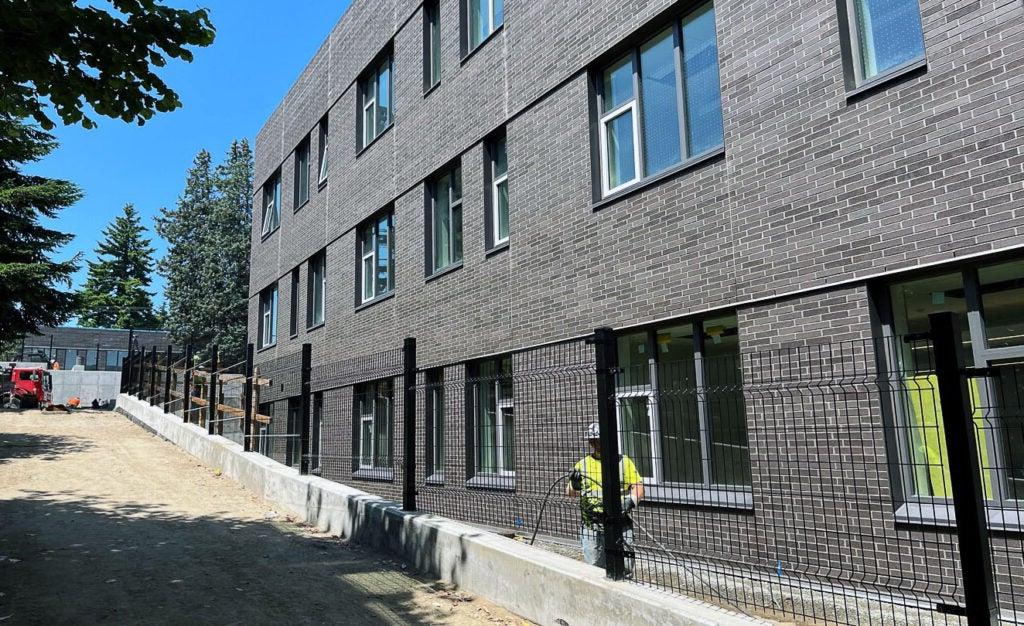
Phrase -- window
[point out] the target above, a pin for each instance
(316, 434)
(435, 425)
(660, 104)
(885, 36)
(444, 221)
(374, 412)
(494, 417)
(497, 222)
(302, 165)
(990, 302)
(113, 361)
(431, 44)
(316, 289)
(272, 204)
(268, 317)
(375, 98)
(680, 410)
(293, 305)
(376, 271)
(324, 153)
(482, 17)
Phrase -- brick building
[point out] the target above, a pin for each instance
(100, 348)
(712, 180)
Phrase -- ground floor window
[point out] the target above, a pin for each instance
(374, 412)
(316, 433)
(435, 424)
(680, 406)
(989, 299)
(493, 417)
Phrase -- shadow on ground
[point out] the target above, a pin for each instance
(67, 557)
(15, 446)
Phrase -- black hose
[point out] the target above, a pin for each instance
(544, 504)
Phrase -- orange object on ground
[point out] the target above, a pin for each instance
(74, 401)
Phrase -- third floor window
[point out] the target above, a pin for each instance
(376, 111)
(660, 104)
(483, 17)
(445, 220)
(885, 36)
(271, 204)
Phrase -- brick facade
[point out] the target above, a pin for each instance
(818, 192)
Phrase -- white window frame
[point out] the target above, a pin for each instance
(453, 203)
(496, 195)
(271, 205)
(365, 417)
(653, 422)
(370, 256)
(268, 318)
(499, 425)
(606, 119)
(373, 225)
(370, 127)
(324, 151)
(500, 431)
(491, 26)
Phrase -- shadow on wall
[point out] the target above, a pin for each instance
(15, 446)
(66, 557)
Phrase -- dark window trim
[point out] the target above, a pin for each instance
(387, 52)
(297, 203)
(430, 193)
(293, 306)
(849, 36)
(448, 269)
(490, 142)
(376, 300)
(434, 379)
(474, 477)
(275, 178)
(360, 152)
(470, 53)
(501, 247)
(898, 74)
(690, 164)
(360, 304)
(320, 256)
(431, 15)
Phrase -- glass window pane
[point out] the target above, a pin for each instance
(502, 209)
(457, 233)
(366, 444)
(660, 90)
(703, 88)
(634, 357)
(1008, 403)
(1002, 299)
(384, 97)
(677, 405)
(889, 34)
(912, 303)
(620, 150)
(384, 255)
(487, 442)
(500, 159)
(477, 20)
(635, 430)
(435, 44)
(730, 453)
(442, 225)
(505, 378)
(368, 270)
(499, 13)
(508, 439)
(618, 84)
(382, 425)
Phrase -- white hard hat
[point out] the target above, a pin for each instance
(594, 431)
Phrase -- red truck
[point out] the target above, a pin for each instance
(25, 387)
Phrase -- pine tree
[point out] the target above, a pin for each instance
(184, 266)
(115, 295)
(31, 293)
(227, 249)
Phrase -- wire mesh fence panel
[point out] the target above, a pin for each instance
(497, 437)
(997, 402)
(197, 399)
(356, 434)
(786, 481)
(277, 388)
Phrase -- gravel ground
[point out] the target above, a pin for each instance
(101, 522)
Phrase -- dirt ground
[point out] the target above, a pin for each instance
(102, 522)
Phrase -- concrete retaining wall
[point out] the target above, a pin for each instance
(541, 586)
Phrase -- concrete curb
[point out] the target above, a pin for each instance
(541, 586)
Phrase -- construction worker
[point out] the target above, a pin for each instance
(585, 483)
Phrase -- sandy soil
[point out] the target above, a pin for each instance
(101, 522)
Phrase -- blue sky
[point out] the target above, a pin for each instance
(227, 91)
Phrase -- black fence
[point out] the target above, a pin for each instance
(848, 482)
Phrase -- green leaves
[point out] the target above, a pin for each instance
(79, 57)
(33, 287)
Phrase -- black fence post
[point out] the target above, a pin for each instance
(247, 401)
(606, 356)
(211, 408)
(307, 366)
(186, 387)
(409, 423)
(964, 471)
(152, 377)
(141, 393)
(125, 365)
(167, 378)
